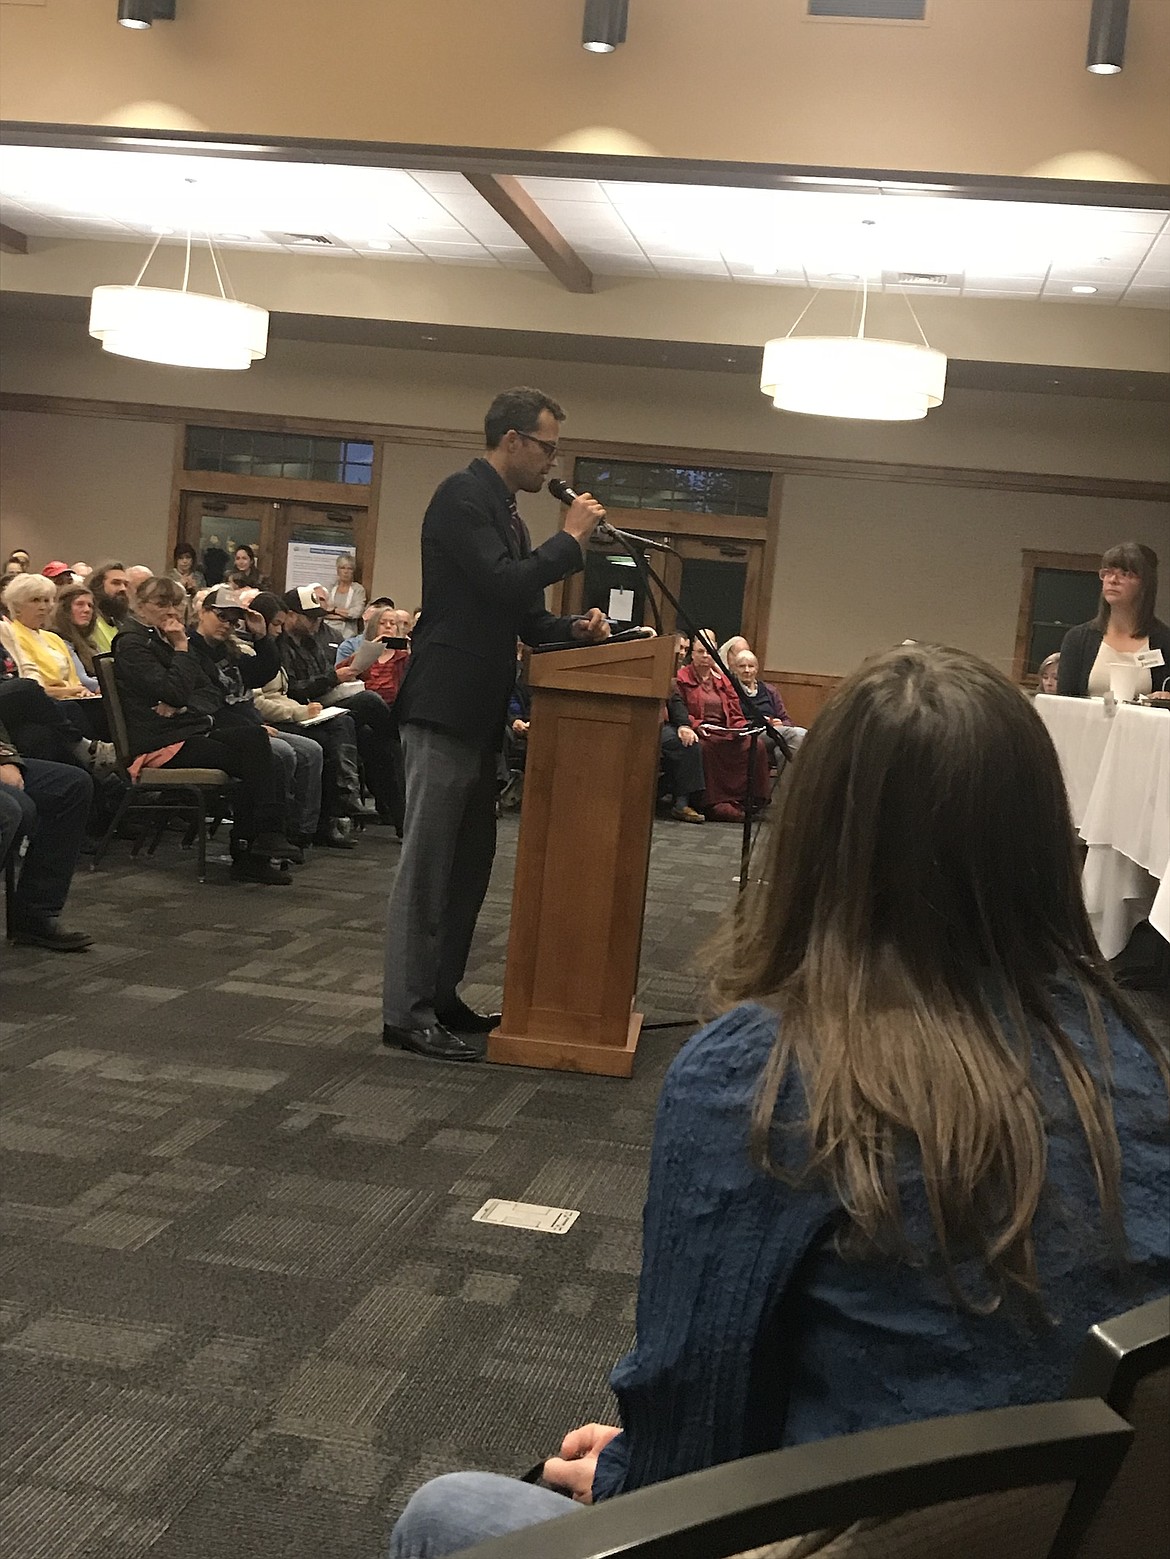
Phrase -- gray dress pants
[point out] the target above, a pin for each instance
(448, 844)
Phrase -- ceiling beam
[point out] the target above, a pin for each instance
(12, 242)
(508, 197)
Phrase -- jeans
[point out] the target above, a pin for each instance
(464, 1508)
(301, 761)
(51, 810)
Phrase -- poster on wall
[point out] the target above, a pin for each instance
(313, 563)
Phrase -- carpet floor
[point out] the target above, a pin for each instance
(244, 1309)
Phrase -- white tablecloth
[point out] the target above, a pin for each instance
(1117, 775)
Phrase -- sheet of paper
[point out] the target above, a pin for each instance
(326, 714)
(313, 563)
(621, 606)
(527, 1215)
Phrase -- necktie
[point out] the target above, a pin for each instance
(517, 524)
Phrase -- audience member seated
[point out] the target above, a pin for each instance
(73, 621)
(732, 647)
(17, 563)
(348, 646)
(81, 572)
(184, 570)
(1048, 674)
(345, 603)
(682, 760)
(246, 573)
(136, 576)
(336, 737)
(40, 726)
(764, 701)
(1124, 626)
(111, 593)
(715, 713)
(177, 715)
(924, 1148)
(381, 666)
(47, 805)
(236, 651)
(313, 679)
(39, 654)
(60, 573)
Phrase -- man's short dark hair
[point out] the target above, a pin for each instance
(383, 600)
(97, 579)
(519, 409)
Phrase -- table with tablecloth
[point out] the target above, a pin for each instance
(1116, 768)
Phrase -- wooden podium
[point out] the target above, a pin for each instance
(582, 859)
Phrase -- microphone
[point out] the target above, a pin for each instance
(567, 495)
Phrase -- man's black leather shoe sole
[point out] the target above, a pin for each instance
(465, 1020)
(436, 1043)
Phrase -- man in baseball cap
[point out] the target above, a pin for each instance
(60, 573)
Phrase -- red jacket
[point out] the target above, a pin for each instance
(692, 694)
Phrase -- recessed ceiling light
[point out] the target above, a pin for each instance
(1084, 290)
(378, 243)
(234, 238)
(162, 232)
(843, 276)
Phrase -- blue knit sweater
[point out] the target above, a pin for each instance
(754, 1334)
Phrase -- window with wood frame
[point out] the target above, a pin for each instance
(1058, 590)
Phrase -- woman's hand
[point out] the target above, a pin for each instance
(575, 1467)
(686, 736)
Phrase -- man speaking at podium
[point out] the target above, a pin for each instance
(482, 588)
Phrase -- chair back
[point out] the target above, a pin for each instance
(103, 667)
(992, 1485)
(1126, 1362)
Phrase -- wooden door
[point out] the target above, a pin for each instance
(215, 524)
(310, 537)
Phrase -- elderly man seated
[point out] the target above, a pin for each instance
(313, 678)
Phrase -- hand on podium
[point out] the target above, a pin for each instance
(592, 628)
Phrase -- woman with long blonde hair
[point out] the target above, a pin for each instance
(925, 1146)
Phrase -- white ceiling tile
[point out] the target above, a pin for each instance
(442, 183)
(688, 267)
(543, 190)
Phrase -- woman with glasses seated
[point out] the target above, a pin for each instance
(1124, 628)
(717, 717)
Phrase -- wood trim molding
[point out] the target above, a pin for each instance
(462, 438)
(1031, 561)
(278, 488)
(510, 200)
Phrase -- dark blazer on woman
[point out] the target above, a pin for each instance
(482, 590)
(150, 671)
(1078, 651)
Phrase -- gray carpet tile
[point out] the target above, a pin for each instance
(244, 1309)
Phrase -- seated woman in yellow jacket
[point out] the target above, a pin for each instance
(30, 601)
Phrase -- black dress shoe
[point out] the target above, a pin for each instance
(462, 1019)
(435, 1042)
(48, 933)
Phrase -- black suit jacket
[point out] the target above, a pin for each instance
(482, 589)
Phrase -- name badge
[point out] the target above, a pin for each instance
(1150, 658)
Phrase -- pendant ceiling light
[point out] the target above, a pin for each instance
(186, 329)
(1107, 24)
(856, 376)
(605, 25)
(141, 14)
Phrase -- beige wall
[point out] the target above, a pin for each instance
(862, 565)
(1050, 433)
(988, 86)
(85, 488)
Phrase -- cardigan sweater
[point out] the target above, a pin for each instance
(753, 1333)
(1078, 651)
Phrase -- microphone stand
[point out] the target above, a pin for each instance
(754, 730)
